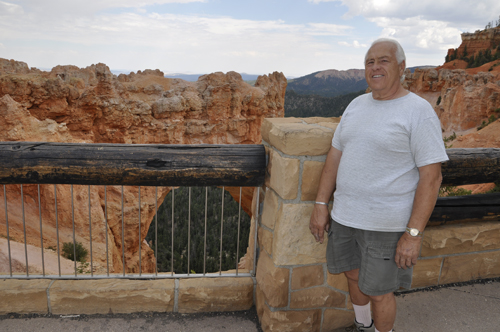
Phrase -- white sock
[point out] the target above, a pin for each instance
(363, 314)
(379, 331)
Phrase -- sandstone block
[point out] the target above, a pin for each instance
(269, 123)
(317, 297)
(293, 243)
(215, 294)
(307, 276)
(426, 272)
(111, 296)
(273, 281)
(266, 240)
(300, 138)
(296, 321)
(24, 296)
(470, 267)
(338, 281)
(460, 238)
(311, 173)
(318, 120)
(336, 319)
(260, 302)
(270, 209)
(284, 176)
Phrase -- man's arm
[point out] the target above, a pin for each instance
(319, 222)
(423, 205)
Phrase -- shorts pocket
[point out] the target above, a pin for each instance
(382, 252)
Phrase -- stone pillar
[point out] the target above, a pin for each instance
(294, 291)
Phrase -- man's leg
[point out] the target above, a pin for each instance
(384, 311)
(383, 306)
(357, 297)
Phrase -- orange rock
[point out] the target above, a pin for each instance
(70, 104)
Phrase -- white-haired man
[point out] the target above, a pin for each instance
(384, 170)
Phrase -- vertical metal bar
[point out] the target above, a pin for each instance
(156, 232)
(41, 231)
(73, 218)
(24, 227)
(57, 231)
(205, 238)
(221, 228)
(90, 232)
(140, 234)
(7, 226)
(238, 239)
(123, 236)
(189, 229)
(172, 260)
(106, 225)
(256, 221)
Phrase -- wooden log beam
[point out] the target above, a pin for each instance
(132, 164)
(459, 209)
(471, 166)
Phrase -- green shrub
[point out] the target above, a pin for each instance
(69, 251)
(453, 191)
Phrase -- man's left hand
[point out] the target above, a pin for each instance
(407, 251)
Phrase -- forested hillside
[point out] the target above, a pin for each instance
(196, 230)
(298, 105)
(329, 83)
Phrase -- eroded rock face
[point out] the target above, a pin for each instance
(463, 99)
(91, 105)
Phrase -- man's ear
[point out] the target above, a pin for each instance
(402, 67)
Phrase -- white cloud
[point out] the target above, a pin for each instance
(7, 8)
(424, 27)
(325, 29)
(459, 12)
(354, 44)
(176, 43)
(318, 1)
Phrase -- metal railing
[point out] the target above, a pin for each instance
(77, 270)
(34, 164)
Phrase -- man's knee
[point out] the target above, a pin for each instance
(381, 298)
(352, 275)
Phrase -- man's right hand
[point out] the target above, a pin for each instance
(320, 222)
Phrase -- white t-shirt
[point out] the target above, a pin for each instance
(383, 143)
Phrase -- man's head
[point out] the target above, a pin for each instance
(385, 63)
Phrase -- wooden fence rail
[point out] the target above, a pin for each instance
(132, 164)
(221, 165)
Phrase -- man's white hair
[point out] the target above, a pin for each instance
(400, 53)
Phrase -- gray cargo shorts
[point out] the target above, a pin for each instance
(372, 253)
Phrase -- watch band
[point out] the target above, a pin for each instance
(321, 203)
(413, 232)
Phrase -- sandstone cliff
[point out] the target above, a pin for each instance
(462, 98)
(71, 104)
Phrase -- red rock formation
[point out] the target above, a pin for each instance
(69, 104)
(480, 40)
(465, 99)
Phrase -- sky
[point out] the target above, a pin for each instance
(296, 37)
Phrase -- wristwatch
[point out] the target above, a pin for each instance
(413, 232)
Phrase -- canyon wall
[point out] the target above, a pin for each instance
(462, 98)
(480, 40)
(91, 105)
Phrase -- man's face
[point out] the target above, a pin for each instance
(382, 71)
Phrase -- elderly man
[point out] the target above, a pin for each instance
(384, 170)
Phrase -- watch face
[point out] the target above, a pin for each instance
(413, 232)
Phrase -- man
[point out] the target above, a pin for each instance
(384, 169)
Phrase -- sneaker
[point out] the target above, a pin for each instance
(361, 328)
